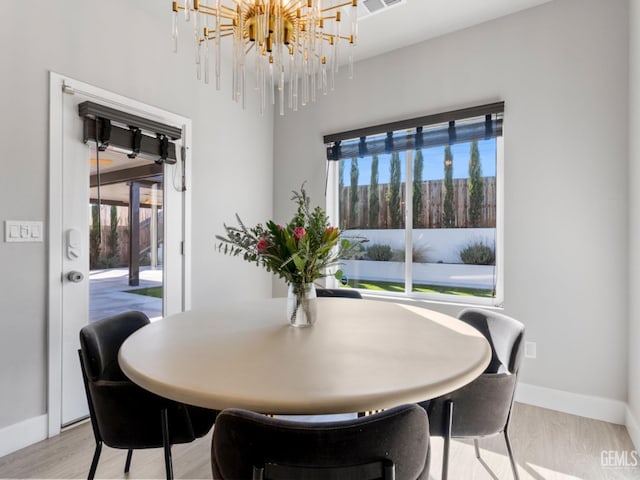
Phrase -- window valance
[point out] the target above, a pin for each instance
(458, 126)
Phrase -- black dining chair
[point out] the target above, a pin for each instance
(338, 292)
(393, 444)
(483, 407)
(124, 415)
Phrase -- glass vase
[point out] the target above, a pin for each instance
(301, 305)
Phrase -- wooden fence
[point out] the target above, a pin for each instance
(432, 210)
(122, 253)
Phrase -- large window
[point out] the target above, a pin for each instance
(426, 195)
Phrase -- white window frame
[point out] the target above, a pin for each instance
(332, 208)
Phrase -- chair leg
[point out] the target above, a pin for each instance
(127, 464)
(166, 443)
(511, 459)
(258, 473)
(94, 462)
(447, 440)
(477, 447)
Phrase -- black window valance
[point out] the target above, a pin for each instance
(458, 126)
(132, 133)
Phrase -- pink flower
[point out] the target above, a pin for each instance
(280, 227)
(262, 245)
(299, 233)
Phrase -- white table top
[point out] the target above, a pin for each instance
(360, 355)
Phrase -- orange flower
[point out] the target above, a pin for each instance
(331, 233)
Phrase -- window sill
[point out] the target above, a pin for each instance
(491, 304)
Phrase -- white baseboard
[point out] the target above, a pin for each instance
(633, 428)
(25, 433)
(598, 408)
(22, 434)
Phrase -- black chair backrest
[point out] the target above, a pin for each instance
(100, 342)
(123, 414)
(483, 406)
(244, 440)
(338, 292)
(504, 334)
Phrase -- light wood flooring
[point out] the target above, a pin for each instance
(547, 445)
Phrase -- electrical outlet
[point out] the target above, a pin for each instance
(530, 349)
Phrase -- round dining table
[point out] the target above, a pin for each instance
(360, 355)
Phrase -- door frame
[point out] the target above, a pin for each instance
(58, 85)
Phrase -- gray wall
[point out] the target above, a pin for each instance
(634, 221)
(122, 46)
(561, 68)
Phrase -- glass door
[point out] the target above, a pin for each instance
(126, 236)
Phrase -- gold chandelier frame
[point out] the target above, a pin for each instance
(294, 43)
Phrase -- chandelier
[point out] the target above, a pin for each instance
(293, 45)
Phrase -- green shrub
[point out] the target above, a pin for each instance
(145, 260)
(379, 252)
(478, 253)
(108, 262)
(418, 255)
(358, 252)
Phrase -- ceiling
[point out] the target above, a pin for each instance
(414, 21)
(118, 193)
(419, 20)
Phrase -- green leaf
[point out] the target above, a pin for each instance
(299, 262)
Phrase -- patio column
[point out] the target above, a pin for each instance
(134, 234)
(153, 226)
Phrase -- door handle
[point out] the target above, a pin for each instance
(75, 276)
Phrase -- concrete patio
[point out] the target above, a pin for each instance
(109, 293)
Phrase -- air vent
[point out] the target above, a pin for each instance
(369, 7)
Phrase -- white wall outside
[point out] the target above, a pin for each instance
(440, 245)
(445, 274)
(561, 69)
(441, 248)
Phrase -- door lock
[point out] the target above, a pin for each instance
(75, 276)
(74, 249)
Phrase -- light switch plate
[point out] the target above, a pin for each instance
(22, 231)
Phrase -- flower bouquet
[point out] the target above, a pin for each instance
(300, 252)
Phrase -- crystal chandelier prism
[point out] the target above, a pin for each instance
(293, 45)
